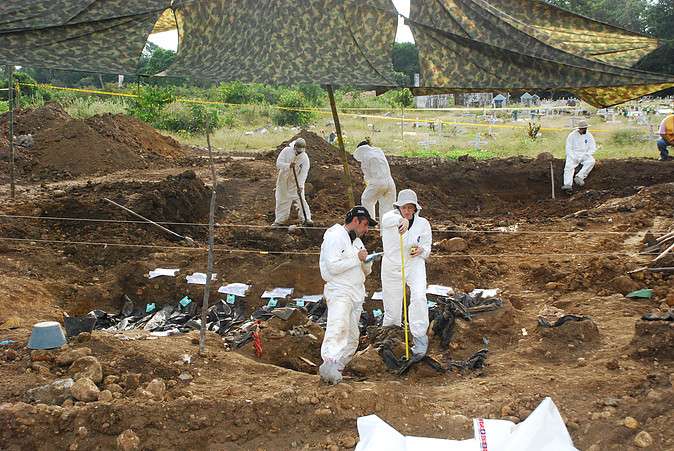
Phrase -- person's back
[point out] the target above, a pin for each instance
(666, 132)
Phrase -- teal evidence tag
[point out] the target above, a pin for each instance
(299, 302)
(272, 303)
(231, 299)
(185, 301)
(431, 304)
(150, 308)
(377, 313)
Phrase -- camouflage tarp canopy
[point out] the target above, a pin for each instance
(271, 41)
(464, 45)
(492, 45)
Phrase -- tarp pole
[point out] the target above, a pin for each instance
(211, 233)
(10, 85)
(340, 141)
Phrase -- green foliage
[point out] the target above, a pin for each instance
(237, 92)
(314, 94)
(406, 60)
(4, 107)
(190, 119)
(628, 137)
(451, 154)
(400, 97)
(293, 99)
(150, 102)
(85, 107)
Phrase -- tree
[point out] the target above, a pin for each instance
(629, 14)
(406, 60)
(660, 18)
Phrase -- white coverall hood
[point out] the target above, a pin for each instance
(407, 196)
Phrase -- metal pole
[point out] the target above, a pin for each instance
(402, 126)
(211, 233)
(10, 72)
(340, 141)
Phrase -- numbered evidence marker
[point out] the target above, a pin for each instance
(231, 299)
(272, 303)
(185, 301)
(150, 308)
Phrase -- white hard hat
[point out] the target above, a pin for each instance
(407, 196)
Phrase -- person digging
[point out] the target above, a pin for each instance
(407, 240)
(293, 168)
(344, 269)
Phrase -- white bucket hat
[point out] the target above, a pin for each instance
(407, 196)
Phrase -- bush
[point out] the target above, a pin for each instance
(182, 118)
(85, 107)
(628, 137)
(237, 92)
(150, 102)
(293, 99)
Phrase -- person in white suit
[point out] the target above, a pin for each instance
(580, 148)
(417, 240)
(292, 158)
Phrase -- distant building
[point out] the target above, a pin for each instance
(434, 101)
(500, 101)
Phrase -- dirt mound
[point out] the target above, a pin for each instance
(66, 147)
(320, 151)
(653, 339)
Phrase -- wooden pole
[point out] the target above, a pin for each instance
(211, 233)
(340, 141)
(552, 179)
(12, 188)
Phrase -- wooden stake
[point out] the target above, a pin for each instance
(211, 233)
(12, 188)
(552, 179)
(665, 252)
(340, 141)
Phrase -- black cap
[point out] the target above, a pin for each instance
(360, 212)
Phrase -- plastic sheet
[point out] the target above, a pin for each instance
(543, 430)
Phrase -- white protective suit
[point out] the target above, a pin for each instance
(286, 190)
(579, 150)
(419, 234)
(380, 185)
(344, 274)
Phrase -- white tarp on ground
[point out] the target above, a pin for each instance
(544, 430)
(171, 272)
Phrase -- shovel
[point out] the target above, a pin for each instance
(299, 194)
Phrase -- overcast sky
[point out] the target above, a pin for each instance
(169, 39)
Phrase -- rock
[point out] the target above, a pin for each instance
(455, 244)
(611, 402)
(185, 376)
(105, 396)
(11, 355)
(54, 393)
(303, 400)
(643, 440)
(348, 442)
(40, 368)
(506, 410)
(68, 403)
(613, 364)
(68, 357)
(669, 300)
(128, 441)
(459, 425)
(88, 367)
(111, 379)
(114, 388)
(630, 423)
(42, 355)
(157, 388)
(624, 284)
(82, 431)
(84, 390)
(131, 381)
(545, 156)
(323, 412)
(367, 362)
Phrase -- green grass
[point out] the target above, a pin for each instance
(4, 107)
(458, 136)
